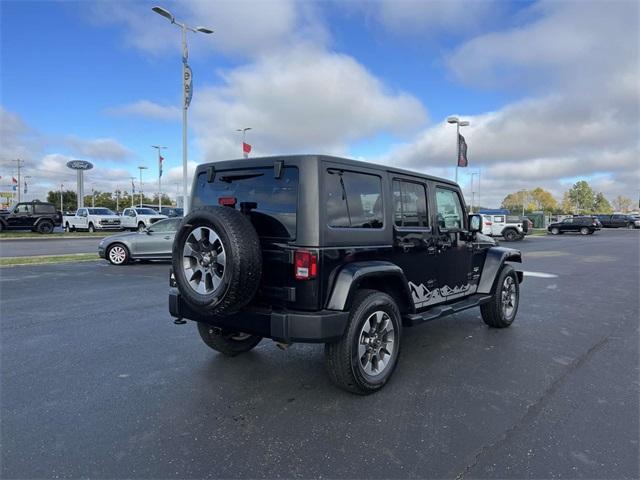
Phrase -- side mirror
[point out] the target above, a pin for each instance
(475, 223)
(148, 231)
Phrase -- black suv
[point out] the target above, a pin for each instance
(37, 216)
(619, 220)
(328, 250)
(585, 225)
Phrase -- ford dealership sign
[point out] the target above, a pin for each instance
(80, 165)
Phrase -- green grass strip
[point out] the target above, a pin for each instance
(47, 259)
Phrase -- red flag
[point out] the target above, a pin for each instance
(246, 148)
(160, 160)
(13, 179)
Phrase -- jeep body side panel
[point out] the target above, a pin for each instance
(494, 260)
(351, 276)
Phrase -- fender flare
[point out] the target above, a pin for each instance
(493, 262)
(352, 274)
(44, 219)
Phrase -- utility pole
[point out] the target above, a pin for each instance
(117, 199)
(61, 205)
(20, 164)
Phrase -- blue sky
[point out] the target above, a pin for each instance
(101, 80)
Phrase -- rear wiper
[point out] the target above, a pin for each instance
(245, 176)
(344, 197)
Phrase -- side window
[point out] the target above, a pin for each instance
(23, 208)
(568, 220)
(450, 213)
(354, 200)
(44, 208)
(165, 226)
(498, 218)
(409, 204)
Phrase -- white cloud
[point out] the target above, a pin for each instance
(242, 27)
(434, 17)
(582, 118)
(98, 148)
(146, 109)
(301, 99)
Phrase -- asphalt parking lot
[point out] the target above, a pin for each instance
(98, 382)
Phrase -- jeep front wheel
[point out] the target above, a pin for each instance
(501, 311)
(510, 235)
(555, 231)
(364, 359)
(227, 342)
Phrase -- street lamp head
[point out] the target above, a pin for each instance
(204, 30)
(165, 13)
(452, 120)
(464, 124)
(142, 168)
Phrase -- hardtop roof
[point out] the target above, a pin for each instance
(242, 163)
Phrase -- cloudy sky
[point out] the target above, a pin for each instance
(551, 88)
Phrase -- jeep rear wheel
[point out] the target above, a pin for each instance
(45, 227)
(227, 342)
(364, 359)
(501, 311)
(555, 231)
(585, 231)
(217, 260)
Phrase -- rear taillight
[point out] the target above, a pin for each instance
(227, 201)
(306, 265)
(488, 223)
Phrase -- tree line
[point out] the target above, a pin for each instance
(111, 200)
(580, 198)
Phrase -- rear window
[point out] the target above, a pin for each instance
(45, 208)
(275, 199)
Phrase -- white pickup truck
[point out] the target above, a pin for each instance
(139, 218)
(91, 219)
(506, 226)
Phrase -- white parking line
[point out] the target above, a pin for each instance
(539, 274)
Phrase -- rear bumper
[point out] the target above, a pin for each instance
(281, 325)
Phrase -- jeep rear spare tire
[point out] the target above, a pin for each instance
(217, 261)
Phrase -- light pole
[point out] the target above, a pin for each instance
(61, 206)
(186, 91)
(244, 136)
(473, 193)
(459, 123)
(159, 147)
(140, 187)
(93, 197)
(117, 199)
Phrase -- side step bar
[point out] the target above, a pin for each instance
(434, 313)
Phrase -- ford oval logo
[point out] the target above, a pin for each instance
(80, 165)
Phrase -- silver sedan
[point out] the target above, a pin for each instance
(153, 243)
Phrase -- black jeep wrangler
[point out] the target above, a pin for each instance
(37, 216)
(323, 249)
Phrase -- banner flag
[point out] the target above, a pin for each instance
(462, 152)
